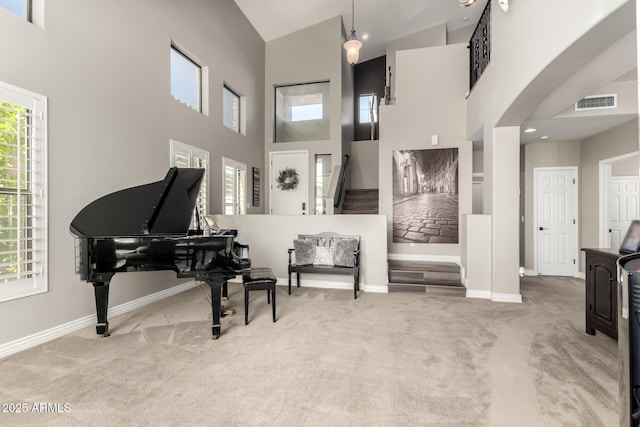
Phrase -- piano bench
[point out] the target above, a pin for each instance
(259, 279)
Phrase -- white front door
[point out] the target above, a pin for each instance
(623, 207)
(555, 203)
(289, 182)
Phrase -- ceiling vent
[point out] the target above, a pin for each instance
(598, 102)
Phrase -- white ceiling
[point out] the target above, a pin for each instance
(381, 20)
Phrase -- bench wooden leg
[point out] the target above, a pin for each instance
(246, 305)
(273, 303)
(298, 277)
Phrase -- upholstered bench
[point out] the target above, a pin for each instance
(326, 253)
(259, 279)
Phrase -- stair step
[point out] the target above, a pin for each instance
(431, 290)
(424, 279)
(407, 275)
(362, 191)
(423, 266)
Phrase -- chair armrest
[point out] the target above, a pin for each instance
(356, 257)
(289, 251)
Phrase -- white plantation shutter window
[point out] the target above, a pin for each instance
(234, 183)
(186, 156)
(23, 208)
(231, 109)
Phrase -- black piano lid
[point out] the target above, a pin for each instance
(163, 207)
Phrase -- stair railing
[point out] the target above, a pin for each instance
(344, 171)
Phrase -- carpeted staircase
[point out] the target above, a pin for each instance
(360, 201)
(434, 278)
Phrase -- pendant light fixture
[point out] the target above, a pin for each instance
(353, 45)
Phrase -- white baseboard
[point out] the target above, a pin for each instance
(310, 283)
(516, 298)
(478, 294)
(378, 289)
(530, 273)
(326, 284)
(42, 337)
(417, 257)
(580, 275)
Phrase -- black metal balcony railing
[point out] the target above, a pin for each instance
(480, 47)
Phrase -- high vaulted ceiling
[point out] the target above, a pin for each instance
(381, 21)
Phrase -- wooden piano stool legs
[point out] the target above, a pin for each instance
(260, 279)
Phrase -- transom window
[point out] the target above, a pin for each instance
(302, 112)
(306, 107)
(368, 108)
(23, 209)
(22, 8)
(231, 109)
(186, 79)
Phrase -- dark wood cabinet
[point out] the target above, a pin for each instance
(601, 291)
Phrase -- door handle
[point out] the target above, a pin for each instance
(542, 228)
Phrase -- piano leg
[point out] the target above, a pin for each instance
(216, 303)
(101, 290)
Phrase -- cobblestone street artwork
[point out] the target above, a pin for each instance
(425, 196)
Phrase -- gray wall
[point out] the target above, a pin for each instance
(435, 73)
(364, 155)
(105, 68)
(536, 155)
(615, 142)
(435, 36)
(625, 168)
(478, 161)
(312, 54)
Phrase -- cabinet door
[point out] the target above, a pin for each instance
(604, 281)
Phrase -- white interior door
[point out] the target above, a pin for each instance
(284, 199)
(556, 225)
(623, 207)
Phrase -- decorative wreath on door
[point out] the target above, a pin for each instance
(288, 179)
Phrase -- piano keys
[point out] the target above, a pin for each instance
(146, 228)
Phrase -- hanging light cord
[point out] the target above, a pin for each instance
(353, 8)
(353, 16)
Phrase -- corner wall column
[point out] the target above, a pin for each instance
(504, 206)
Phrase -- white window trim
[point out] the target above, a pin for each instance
(236, 166)
(38, 104)
(375, 111)
(177, 145)
(203, 102)
(241, 113)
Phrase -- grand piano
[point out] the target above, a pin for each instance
(146, 228)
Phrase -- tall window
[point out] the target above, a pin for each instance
(186, 156)
(368, 108)
(323, 180)
(186, 79)
(302, 112)
(23, 207)
(22, 8)
(231, 109)
(234, 183)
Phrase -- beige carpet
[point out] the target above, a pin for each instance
(383, 360)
